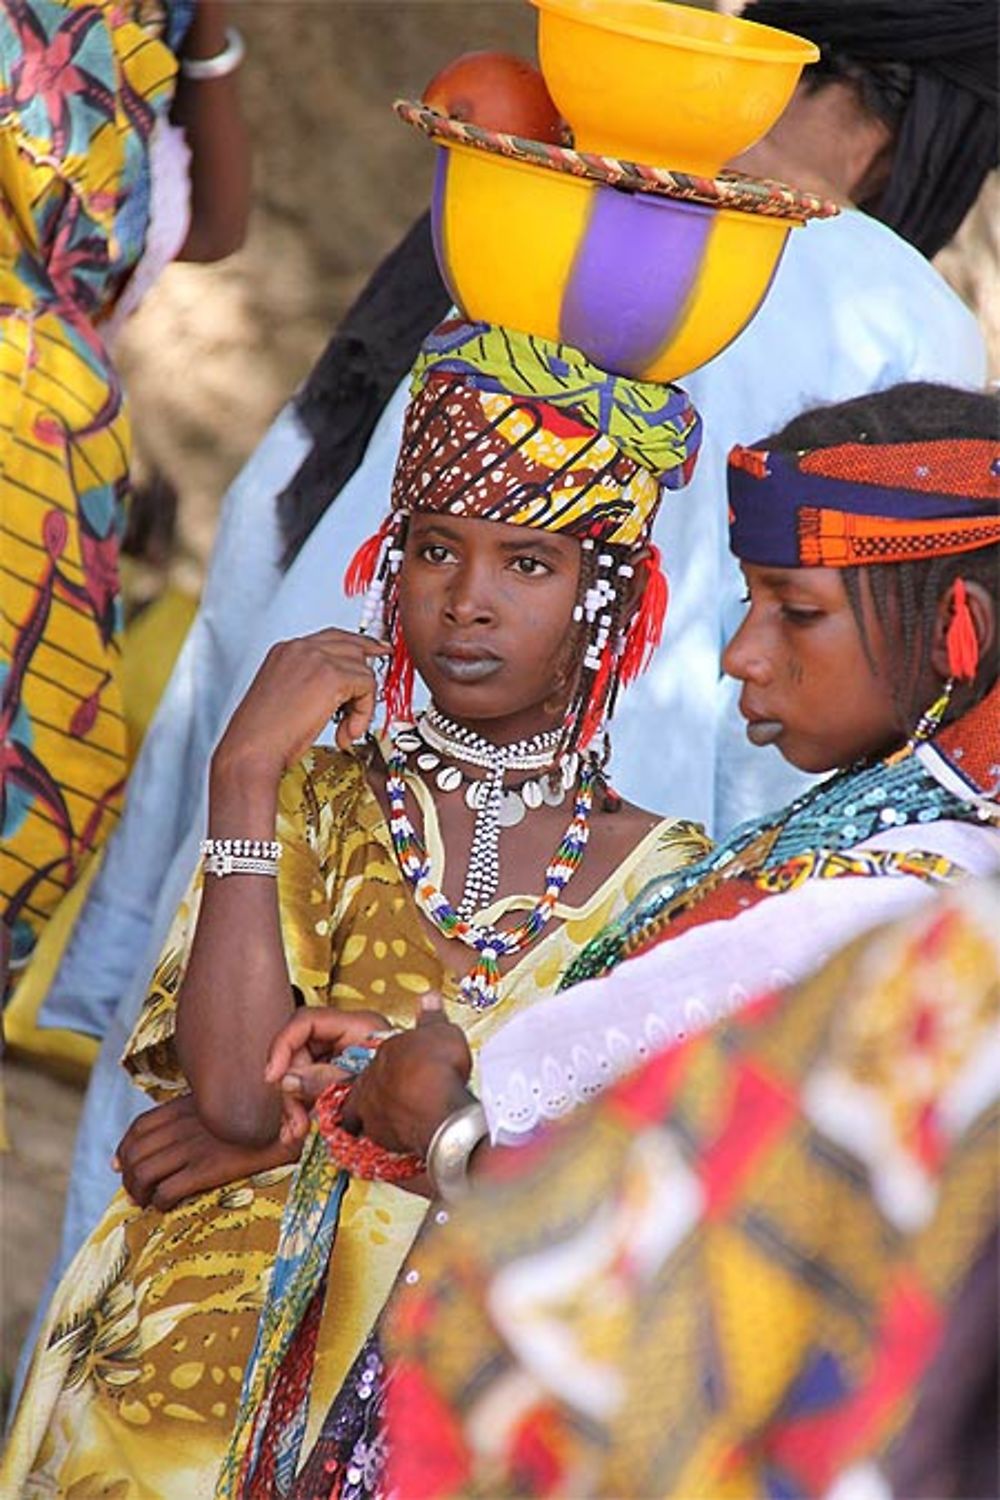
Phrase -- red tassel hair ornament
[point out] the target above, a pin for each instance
(397, 691)
(645, 629)
(363, 566)
(961, 639)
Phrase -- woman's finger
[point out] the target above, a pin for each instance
(431, 1009)
(307, 1083)
(294, 1120)
(320, 1030)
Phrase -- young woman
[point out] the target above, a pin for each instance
(514, 578)
(869, 535)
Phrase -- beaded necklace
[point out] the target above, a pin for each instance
(495, 805)
(480, 988)
(844, 811)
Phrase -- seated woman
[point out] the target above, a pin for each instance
(514, 576)
(868, 533)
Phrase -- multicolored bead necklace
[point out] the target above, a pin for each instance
(834, 816)
(480, 988)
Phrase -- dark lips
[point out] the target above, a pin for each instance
(761, 730)
(467, 663)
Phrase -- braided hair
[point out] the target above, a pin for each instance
(905, 596)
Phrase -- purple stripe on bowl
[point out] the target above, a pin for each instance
(633, 274)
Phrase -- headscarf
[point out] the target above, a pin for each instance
(929, 69)
(863, 503)
(507, 426)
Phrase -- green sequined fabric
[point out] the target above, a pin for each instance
(849, 808)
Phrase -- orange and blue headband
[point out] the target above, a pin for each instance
(863, 503)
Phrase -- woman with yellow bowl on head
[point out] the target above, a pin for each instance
(512, 575)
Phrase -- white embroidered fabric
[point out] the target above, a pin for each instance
(169, 219)
(570, 1048)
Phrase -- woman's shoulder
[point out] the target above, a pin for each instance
(326, 790)
(650, 838)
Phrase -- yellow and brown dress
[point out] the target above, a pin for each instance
(135, 1381)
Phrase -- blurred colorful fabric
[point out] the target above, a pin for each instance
(730, 1275)
(83, 85)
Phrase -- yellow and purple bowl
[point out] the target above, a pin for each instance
(649, 272)
(651, 81)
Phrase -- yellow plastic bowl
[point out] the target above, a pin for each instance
(646, 286)
(649, 81)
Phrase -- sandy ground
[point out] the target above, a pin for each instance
(41, 1124)
(215, 352)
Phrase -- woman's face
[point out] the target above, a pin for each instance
(486, 610)
(808, 684)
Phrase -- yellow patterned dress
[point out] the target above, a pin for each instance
(136, 1377)
(83, 84)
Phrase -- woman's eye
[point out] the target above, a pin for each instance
(796, 615)
(530, 566)
(434, 552)
(745, 597)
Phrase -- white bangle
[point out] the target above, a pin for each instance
(240, 856)
(202, 69)
(452, 1144)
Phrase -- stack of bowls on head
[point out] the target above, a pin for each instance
(630, 246)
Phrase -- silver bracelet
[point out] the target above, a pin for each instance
(202, 69)
(452, 1144)
(240, 856)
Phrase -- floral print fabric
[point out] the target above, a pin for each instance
(82, 86)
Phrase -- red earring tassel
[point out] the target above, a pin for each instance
(398, 691)
(593, 716)
(646, 628)
(360, 574)
(961, 639)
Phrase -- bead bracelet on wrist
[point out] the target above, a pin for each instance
(357, 1154)
(204, 69)
(240, 856)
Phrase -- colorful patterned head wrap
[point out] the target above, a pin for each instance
(504, 426)
(862, 503)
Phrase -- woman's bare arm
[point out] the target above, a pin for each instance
(236, 991)
(210, 112)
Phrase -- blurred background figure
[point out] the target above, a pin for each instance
(122, 147)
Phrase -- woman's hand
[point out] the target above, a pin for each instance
(414, 1081)
(301, 684)
(302, 1059)
(167, 1154)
